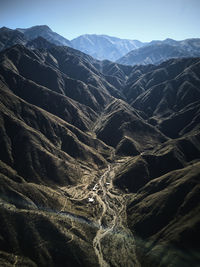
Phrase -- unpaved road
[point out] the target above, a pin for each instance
(114, 244)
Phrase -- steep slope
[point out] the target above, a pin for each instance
(164, 216)
(170, 91)
(39, 154)
(10, 37)
(122, 122)
(104, 47)
(150, 164)
(164, 210)
(80, 66)
(39, 43)
(99, 162)
(157, 52)
(42, 96)
(45, 72)
(44, 130)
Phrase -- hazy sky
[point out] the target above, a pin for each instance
(144, 20)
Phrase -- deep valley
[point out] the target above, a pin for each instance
(99, 161)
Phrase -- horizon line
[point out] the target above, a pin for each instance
(102, 34)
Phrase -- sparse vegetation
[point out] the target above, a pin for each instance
(99, 162)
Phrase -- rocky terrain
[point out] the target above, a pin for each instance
(99, 161)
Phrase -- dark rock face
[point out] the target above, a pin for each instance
(68, 121)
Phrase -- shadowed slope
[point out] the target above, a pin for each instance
(121, 121)
(169, 95)
(165, 218)
(64, 192)
(10, 37)
(31, 137)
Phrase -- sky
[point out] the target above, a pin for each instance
(144, 20)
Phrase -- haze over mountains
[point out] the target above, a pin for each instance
(99, 161)
(98, 46)
(157, 52)
(128, 52)
(104, 47)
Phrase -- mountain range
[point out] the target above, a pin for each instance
(99, 161)
(103, 47)
(157, 52)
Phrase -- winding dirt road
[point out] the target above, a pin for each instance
(114, 244)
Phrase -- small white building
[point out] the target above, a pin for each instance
(95, 187)
(91, 199)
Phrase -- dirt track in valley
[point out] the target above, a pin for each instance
(114, 244)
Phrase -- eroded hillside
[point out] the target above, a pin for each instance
(99, 162)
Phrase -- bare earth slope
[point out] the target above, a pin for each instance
(99, 162)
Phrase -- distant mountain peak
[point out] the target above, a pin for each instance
(42, 28)
(38, 28)
(45, 27)
(4, 29)
(169, 39)
(45, 32)
(104, 46)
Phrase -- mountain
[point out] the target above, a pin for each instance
(97, 46)
(37, 36)
(158, 51)
(99, 161)
(165, 216)
(45, 32)
(39, 43)
(170, 89)
(10, 37)
(104, 47)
